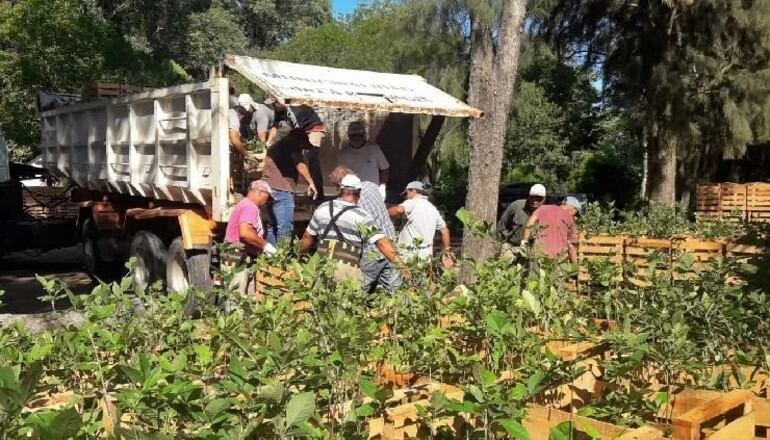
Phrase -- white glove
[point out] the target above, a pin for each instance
(269, 249)
(383, 193)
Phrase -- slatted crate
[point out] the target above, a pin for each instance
(744, 252)
(598, 249)
(734, 202)
(106, 90)
(270, 280)
(401, 419)
(758, 202)
(701, 251)
(48, 202)
(639, 254)
(708, 200)
(540, 421)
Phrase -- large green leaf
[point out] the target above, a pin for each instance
(300, 408)
(497, 321)
(515, 429)
(55, 425)
(532, 302)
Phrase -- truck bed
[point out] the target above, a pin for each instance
(167, 144)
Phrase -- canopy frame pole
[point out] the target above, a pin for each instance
(425, 147)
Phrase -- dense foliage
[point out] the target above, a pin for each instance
(310, 362)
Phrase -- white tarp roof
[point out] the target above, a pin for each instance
(345, 88)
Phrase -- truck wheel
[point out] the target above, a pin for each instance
(91, 258)
(185, 269)
(150, 254)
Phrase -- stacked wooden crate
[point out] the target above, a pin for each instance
(735, 202)
(105, 90)
(758, 202)
(48, 202)
(640, 253)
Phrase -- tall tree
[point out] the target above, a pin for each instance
(495, 47)
(695, 73)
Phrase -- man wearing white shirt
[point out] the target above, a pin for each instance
(423, 220)
(364, 158)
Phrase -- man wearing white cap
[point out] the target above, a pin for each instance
(514, 219)
(341, 229)
(245, 232)
(423, 220)
(375, 268)
(261, 120)
(557, 234)
(363, 157)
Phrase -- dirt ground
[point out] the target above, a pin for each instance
(17, 279)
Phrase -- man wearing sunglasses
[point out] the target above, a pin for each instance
(514, 220)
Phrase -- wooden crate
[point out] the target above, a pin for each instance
(689, 399)
(707, 199)
(106, 90)
(744, 252)
(610, 248)
(701, 251)
(541, 420)
(48, 202)
(269, 280)
(729, 416)
(758, 202)
(724, 201)
(639, 252)
(401, 419)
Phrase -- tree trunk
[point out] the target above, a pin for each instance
(492, 78)
(661, 167)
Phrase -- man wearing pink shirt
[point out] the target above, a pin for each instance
(245, 231)
(556, 235)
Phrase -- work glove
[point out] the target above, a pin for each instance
(269, 249)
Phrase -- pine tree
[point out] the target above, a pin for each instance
(694, 73)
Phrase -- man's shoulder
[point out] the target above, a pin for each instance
(519, 204)
(245, 205)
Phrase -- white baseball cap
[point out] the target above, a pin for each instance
(573, 202)
(416, 185)
(351, 182)
(537, 190)
(245, 101)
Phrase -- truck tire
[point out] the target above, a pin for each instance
(150, 254)
(186, 269)
(92, 260)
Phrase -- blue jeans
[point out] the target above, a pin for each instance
(283, 216)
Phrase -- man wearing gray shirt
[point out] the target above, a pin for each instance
(375, 268)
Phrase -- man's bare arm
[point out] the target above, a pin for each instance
(237, 143)
(446, 242)
(388, 250)
(306, 243)
(262, 135)
(395, 211)
(572, 253)
(304, 171)
(249, 236)
(527, 232)
(272, 135)
(384, 175)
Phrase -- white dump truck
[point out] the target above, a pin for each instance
(152, 169)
